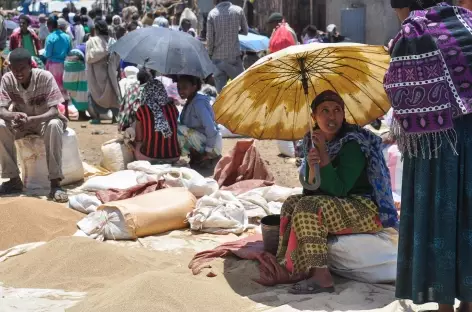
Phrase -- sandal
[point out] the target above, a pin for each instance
(58, 195)
(309, 287)
(11, 187)
(95, 121)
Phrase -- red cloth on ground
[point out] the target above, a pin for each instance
(246, 185)
(243, 163)
(117, 194)
(249, 248)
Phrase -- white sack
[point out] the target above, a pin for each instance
(32, 159)
(219, 213)
(104, 224)
(116, 155)
(190, 179)
(84, 203)
(118, 180)
(369, 258)
(256, 205)
(286, 148)
(274, 193)
(146, 167)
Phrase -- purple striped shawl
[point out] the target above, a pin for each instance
(429, 81)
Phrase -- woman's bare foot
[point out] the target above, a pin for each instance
(320, 281)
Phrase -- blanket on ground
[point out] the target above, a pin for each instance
(243, 163)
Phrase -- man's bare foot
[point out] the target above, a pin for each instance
(57, 194)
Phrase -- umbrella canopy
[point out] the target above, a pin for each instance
(167, 51)
(253, 42)
(271, 100)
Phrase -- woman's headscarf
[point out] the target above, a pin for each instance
(327, 96)
(155, 96)
(371, 145)
(118, 18)
(161, 22)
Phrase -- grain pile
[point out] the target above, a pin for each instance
(76, 264)
(28, 220)
(170, 292)
(119, 278)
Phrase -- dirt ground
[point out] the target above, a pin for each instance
(91, 137)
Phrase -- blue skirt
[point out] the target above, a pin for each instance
(435, 243)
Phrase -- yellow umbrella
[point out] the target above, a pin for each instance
(271, 100)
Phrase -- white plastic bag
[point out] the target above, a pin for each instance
(190, 179)
(32, 159)
(369, 258)
(286, 148)
(73, 113)
(116, 155)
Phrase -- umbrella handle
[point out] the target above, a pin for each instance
(309, 186)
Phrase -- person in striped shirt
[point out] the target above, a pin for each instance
(156, 123)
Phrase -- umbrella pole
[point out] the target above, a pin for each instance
(302, 178)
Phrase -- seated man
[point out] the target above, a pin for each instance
(34, 95)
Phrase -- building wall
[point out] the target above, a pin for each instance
(382, 22)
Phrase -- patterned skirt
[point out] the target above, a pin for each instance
(435, 241)
(75, 81)
(192, 139)
(57, 70)
(306, 221)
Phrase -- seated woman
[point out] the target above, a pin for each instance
(354, 197)
(155, 117)
(199, 136)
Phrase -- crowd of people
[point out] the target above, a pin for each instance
(167, 117)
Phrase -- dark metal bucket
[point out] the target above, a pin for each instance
(270, 226)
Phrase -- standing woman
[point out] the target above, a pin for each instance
(102, 74)
(75, 79)
(56, 49)
(79, 32)
(429, 84)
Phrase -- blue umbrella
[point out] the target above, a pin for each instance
(167, 51)
(253, 42)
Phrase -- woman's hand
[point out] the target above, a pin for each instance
(319, 140)
(313, 158)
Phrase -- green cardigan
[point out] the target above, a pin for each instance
(346, 174)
